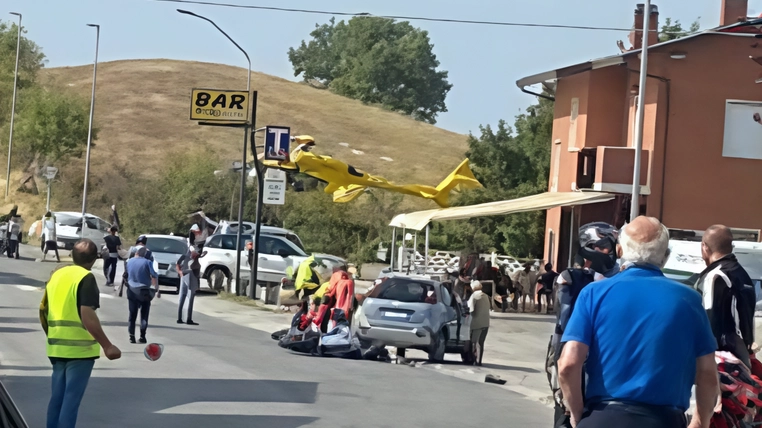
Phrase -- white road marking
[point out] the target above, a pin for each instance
(27, 288)
(242, 408)
(108, 295)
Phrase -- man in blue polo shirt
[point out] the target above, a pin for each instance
(643, 353)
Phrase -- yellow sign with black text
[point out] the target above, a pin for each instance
(219, 105)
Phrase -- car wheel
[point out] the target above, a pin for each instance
(437, 349)
(216, 279)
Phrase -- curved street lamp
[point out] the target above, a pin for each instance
(90, 127)
(13, 106)
(253, 279)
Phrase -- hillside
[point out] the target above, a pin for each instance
(142, 116)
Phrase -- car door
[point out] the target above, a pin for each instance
(269, 257)
(464, 317)
(92, 230)
(227, 245)
(213, 253)
(451, 318)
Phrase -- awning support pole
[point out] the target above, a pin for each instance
(415, 251)
(394, 240)
(426, 256)
(402, 252)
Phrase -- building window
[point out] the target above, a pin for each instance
(743, 130)
(573, 123)
(556, 165)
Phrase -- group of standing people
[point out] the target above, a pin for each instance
(629, 343)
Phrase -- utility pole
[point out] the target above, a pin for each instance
(635, 202)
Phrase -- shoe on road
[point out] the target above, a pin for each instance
(179, 321)
(190, 322)
(132, 339)
(143, 340)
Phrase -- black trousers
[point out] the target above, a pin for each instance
(13, 248)
(625, 415)
(109, 269)
(136, 303)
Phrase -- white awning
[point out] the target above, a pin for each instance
(419, 219)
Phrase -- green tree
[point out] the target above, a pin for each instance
(510, 165)
(51, 124)
(30, 62)
(674, 30)
(378, 61)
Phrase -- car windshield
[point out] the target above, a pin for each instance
(166, 245)
(68, 220)
(406, 291)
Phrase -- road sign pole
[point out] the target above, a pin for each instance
(47, 204)
(260, 194)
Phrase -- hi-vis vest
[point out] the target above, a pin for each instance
(67, 337)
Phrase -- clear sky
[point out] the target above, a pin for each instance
(484, 62)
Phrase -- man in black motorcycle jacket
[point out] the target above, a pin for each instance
(596, 259)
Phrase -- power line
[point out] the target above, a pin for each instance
(399, 17)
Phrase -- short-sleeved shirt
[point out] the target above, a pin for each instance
(112, 242)
(645, 332)
(87, 295)
(139, 272)
(548, 279)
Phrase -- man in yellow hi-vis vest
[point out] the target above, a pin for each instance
(67, 314)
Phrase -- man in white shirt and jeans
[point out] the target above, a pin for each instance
(49, 232)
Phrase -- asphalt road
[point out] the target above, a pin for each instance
(227, 375)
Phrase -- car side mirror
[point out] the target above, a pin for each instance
(283, 253)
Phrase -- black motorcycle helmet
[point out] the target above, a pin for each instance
(597, 243)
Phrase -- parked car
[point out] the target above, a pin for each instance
(417, 313)
(276, 254)
(225, 227)
(166, 250)
(68, 229)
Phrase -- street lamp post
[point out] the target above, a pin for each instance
(635, 200)
(13, 106)
(90, 127)
(245, 148)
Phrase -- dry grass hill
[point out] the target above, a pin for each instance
(142, 113)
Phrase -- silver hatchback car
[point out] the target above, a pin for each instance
(417, 313)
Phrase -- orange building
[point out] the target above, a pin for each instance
(702, 137)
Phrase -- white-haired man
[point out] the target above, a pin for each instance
(643, 354)
(479, 306)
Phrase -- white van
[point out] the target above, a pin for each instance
(685, 263)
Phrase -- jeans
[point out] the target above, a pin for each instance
(69, 383)
(110, 263)
(13, 248)
(187, 286)
(621, 415)
(135, 304)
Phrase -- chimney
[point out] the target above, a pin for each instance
(733, 12)
(636, 37)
